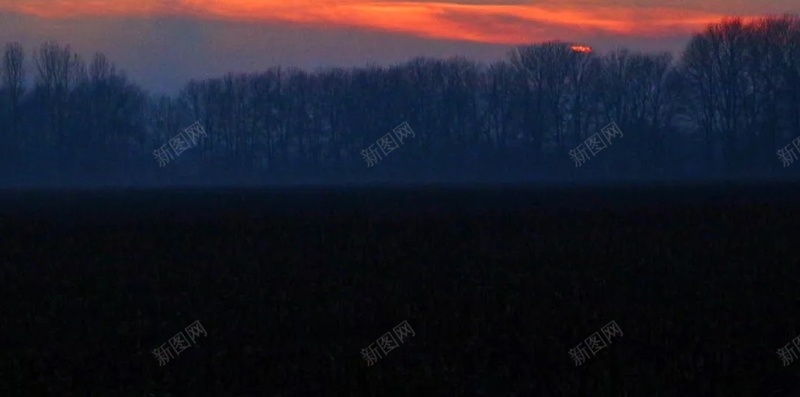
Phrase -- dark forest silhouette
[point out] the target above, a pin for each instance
(723, 108)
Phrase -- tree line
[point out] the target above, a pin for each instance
(723, 107)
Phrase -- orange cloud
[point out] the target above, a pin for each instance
(58, 9)
(499, 24)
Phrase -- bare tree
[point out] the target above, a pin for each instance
(58, 72)
(551, 71)
(12, 83)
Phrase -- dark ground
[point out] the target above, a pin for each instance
(497, 283)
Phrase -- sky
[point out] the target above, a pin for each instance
(162, 44)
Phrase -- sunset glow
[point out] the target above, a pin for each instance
(487, 23)
(581, 48)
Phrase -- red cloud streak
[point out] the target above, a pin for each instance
(499, 24)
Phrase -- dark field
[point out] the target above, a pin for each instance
(498, 285)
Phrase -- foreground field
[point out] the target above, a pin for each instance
(289, 292)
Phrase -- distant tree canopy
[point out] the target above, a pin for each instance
(724, 108)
